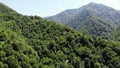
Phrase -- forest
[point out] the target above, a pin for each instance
(33, 42)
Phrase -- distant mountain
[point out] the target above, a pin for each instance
(93, 18)
(115, 35)
(33, 42)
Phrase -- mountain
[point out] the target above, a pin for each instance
(93, 18)
(33, 42)
(115, 35)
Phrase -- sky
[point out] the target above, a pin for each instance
(46, 8)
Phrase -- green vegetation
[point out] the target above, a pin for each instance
(115, 35)
(32, 42)
(14, 51)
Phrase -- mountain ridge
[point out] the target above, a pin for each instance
(103, 13)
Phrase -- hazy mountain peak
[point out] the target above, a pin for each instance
(88, 17)
(92, 3)
(98, 6)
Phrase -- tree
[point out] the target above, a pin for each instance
(1, 65)
(12, 62)
(87, 63)
(97, 65)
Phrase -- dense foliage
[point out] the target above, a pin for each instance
(115, 35)
(32, 42)
(14, 51)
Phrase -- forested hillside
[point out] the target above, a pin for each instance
(33, 42)
(115, 35)
(15, 52)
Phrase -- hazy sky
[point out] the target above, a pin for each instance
(51, 7)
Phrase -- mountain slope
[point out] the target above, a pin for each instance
(93, 18)
(58, 46)
(115, 35)
(14, 51)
